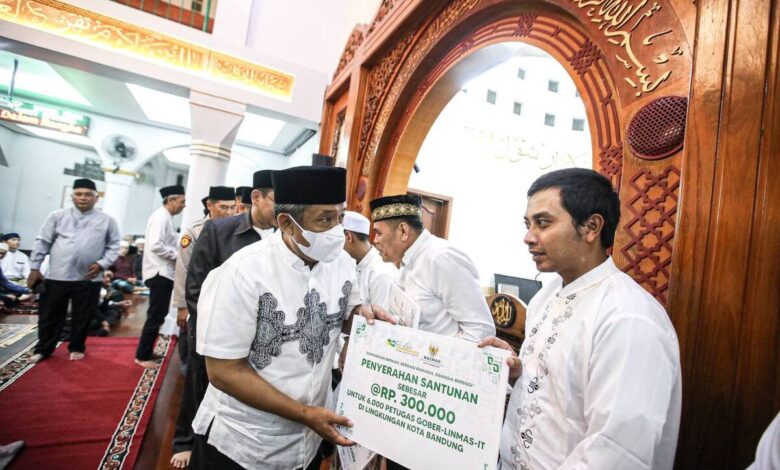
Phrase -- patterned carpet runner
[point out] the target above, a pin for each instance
(86, 414)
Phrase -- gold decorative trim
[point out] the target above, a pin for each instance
(396, 210)
(98, 30)
(119, 171)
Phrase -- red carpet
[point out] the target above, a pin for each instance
(82, 414)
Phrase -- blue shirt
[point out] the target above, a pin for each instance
(7, 286)
(74, 240)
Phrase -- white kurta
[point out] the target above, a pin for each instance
(161, 242)
(376, 278)
(768, 450)
(15, 265)
(266, 305)
(445, 284)
(601, 385)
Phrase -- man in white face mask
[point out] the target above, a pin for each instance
(268, 324)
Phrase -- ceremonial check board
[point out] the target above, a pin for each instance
(423, 400)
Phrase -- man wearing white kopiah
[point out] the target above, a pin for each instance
(376, 278)
(268, 320)
(441, 279)
(598, 377)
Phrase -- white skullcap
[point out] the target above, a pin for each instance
(140, 240)
(3, 246)
(123, 243)
(356, 222)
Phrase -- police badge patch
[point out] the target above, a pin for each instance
(185, 241)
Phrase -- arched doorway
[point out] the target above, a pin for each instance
(381, 106)
(512, 114)
(633, 61)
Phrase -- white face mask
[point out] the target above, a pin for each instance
(323, 246)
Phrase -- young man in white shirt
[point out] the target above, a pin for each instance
(159, 266)
(268, 320)
(15, 265)
(439, 277)
(597, 383)
(376, 278)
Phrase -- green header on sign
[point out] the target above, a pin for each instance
(47, 117)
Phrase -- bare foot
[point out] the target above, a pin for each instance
(76, 356)
(181, 459)
(147, 364)
(36, 358)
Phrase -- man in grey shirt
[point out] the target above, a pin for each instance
(81, 242)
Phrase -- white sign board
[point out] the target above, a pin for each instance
(423, 400)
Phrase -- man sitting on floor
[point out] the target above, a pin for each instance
(10, 292)
(111, 307)
(15, 265)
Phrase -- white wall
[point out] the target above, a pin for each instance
(244, 161)
(490, 157)
(145, 196)
(32, 184)
(311, 33)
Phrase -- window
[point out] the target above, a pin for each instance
(491, 97)
(577, 124)
(549, 120)
(552, 86)
(196, 5)
(521, 74)
(518, 109)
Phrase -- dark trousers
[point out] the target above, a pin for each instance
(195, 383)
(160, 290)
(54, 308)
(207, 457)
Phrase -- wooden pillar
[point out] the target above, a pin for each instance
(725, 296)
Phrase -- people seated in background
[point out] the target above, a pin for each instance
(111, 307)
(10, 292)
(16, 265)
(138, 261)
(124, 273)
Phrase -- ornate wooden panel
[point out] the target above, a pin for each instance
(700, 225)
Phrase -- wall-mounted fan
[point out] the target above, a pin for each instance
(120, 148)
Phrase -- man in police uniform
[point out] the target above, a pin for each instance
(217, 241)
(220, 203)
(267, 324)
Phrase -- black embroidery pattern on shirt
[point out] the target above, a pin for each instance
(312, 327)
(314, 323)
(533, 385)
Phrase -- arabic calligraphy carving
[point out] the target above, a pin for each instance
(619, 20)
